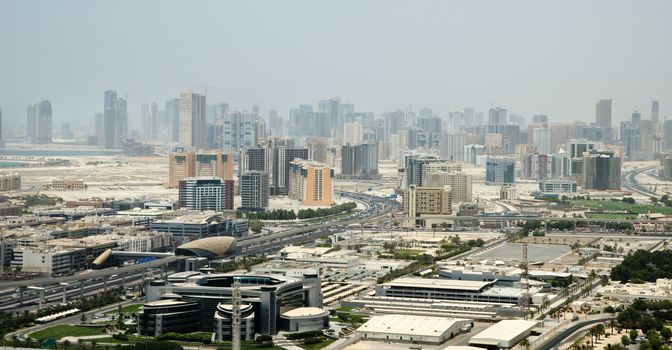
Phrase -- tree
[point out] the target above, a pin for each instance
(633, 334)
(525, 343)
(625, 340)
(82, 317)
(666, 334)
(66, 343)
(94, 343)
(255, 226)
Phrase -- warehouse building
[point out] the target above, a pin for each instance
(504, 334)
(420, 329)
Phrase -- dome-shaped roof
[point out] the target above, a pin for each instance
(210, 247)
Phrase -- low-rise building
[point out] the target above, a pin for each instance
(187, 226)
(557, 186)
(52, 261)
(68, 185)
(503, 334)
(411, 328)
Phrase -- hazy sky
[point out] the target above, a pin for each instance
(530, 57)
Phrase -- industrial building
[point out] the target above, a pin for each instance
(416, 329)
(504, 334)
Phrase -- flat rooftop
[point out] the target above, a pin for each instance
(420, 283)
(408, 325)
(514, 252)
(503, 331)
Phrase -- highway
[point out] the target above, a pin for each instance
(629, 181)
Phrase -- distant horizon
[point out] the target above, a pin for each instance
(556, 59)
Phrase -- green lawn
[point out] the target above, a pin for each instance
(318, 345)
(128, 309)
(345, 308)
(633, 208)
(64, 330)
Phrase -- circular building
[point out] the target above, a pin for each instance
(224, 322)
(303, 319)
(210, 247)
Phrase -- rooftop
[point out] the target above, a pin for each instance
(505, 330)
(408, 325)
(474, 286)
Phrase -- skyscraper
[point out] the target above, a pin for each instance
(2, 140)
(254, 190)
(187, 164)
(145, 121)
(311, 182)
(603, 119)
(541, 137)
(601, 171)
(115, 121)
(359, 161)
(655, 119)
(497, 116)
(239, 131)
(499, 170)
(173, 118)
(39, 122)
(192, 120)
(281, 158)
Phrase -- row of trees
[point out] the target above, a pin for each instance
(643, 266)
(285, 215)
(10, 322)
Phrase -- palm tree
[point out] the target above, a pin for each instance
(93, 344)
(66, 343)
(612, 324)
(525, 343)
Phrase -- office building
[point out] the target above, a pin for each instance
(360, 161)
(603, 119)
(500, 170)
(115, 121)
(311, 182)
(667, 135)
(353, 133)
(497, 116)
(39, 122)
(206, 193)
(452, 146)
(543, 166)
(2, 140)
(395, 122)
(655, 116)
(472, 152)
(541, 137)
(459, 183)
(183, 164)
(269, 298)
(541, 119)
(560, 133)
(429, 124)
(50, 261)
(666, 162)
(172, 115)
(601, 171)
(575, 150)
(239, 131)
(255, 159)
(645, 135)
(254, 190)
(557, 186)
(282, 156)
(414, 168)
(192, 128)
(10, 182)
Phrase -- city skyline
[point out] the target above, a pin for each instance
(581, 54)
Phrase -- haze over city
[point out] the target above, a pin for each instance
(551, 58)
(350, 175)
